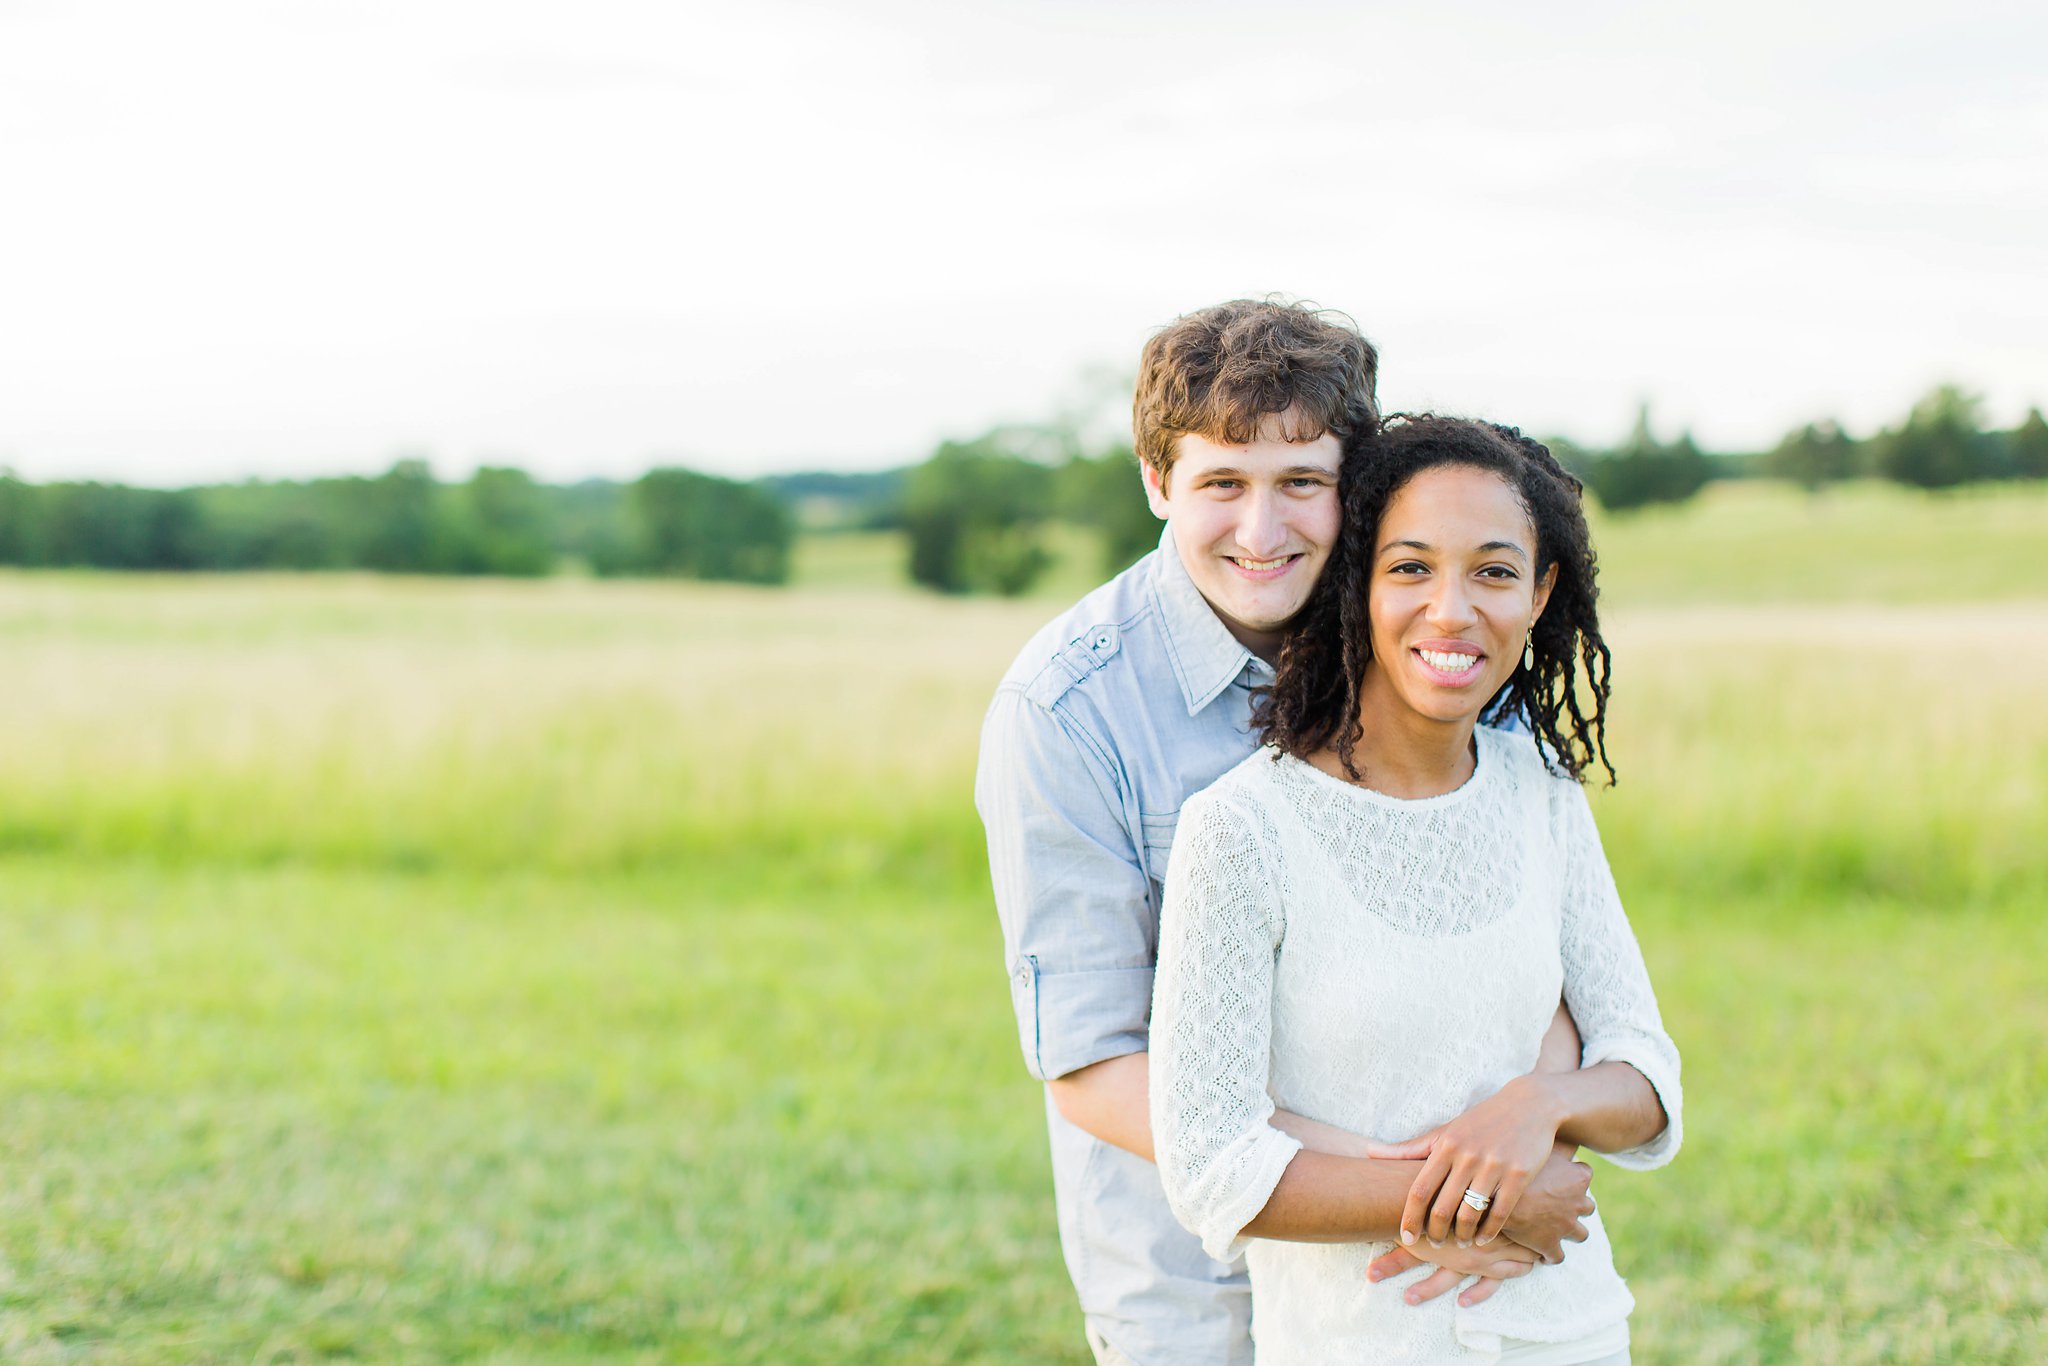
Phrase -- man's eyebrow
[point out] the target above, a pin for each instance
(1292, 470)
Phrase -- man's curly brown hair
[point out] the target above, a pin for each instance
(1220, 372)
(1313, 701)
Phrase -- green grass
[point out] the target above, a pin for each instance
(284, 1115)
(1760, 542)
(426, 971)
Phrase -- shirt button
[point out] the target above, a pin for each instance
(1023, 977)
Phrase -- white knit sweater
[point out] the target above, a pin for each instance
(1382, 965)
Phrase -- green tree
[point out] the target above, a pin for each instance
(973, 512)
(1644, 471)
(1103, 492)
(396, 520)
(20, 524)
(1816, 455)
(1941, 443)
(508, 517)
(2027, 447)
(112, 526)
(700, 526)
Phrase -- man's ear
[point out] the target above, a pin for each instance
(1155, 488)
(1543, 587)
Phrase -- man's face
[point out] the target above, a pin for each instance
(1254, 524)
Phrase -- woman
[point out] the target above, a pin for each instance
(1369, 923)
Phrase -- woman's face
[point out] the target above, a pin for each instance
(1453, 592)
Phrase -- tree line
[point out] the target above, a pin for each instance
(974, 514)
(976, 510)
(499, 521)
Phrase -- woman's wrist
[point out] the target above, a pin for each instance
(1544, 1097)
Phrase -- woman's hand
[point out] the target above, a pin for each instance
(1494, 1149)
(1451, 1265)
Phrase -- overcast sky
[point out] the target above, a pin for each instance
(291, 238)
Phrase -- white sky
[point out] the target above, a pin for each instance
(288, 237)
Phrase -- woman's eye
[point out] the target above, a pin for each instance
(1408, 567)
(1499, 571)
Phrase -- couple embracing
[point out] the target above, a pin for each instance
(1309, 931)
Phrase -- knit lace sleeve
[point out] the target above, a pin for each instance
(1219, 1156)
(1606, 984)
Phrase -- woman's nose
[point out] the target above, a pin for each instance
(1451, 606)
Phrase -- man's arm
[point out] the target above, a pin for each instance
(1070, 889)
(1111, 1100)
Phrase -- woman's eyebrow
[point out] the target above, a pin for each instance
(1486, 549)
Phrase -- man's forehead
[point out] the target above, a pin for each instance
(1268, 455)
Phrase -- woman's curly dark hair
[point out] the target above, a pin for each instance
(1313, 701)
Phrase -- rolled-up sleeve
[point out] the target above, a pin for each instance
(1070, 888)
(1219, 1155)
(1606, 983)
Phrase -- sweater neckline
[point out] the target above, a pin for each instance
(1482, 763)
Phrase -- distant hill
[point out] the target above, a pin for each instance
(834, 499)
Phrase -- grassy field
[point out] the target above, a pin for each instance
(409, 971)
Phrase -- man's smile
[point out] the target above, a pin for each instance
(1262, 567)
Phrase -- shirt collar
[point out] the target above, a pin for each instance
(1206, 658)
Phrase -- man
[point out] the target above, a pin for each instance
(1111, 717)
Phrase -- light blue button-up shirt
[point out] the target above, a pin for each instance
(1111, 717)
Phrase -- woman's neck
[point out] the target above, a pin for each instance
(1404, 753)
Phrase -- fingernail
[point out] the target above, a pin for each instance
(1407, 1237)
(1372, 1275)
(1410, 1297)
(1487, 1239)
(1464, 1243)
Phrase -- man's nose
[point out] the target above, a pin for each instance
(1261, 530)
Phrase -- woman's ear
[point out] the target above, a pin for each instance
(1543, 587)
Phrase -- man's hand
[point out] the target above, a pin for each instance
(1452, 1265)
(1557, 1199)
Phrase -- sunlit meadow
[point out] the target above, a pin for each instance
(434, 971)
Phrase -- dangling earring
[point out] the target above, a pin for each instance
(1529, 649)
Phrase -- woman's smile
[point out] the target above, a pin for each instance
(1451, 663)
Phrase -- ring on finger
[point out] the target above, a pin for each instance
(1476, 1201)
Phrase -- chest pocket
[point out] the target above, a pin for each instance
(1158, 835)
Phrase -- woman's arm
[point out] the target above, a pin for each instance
(1607, 986)
(1495, 1148)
